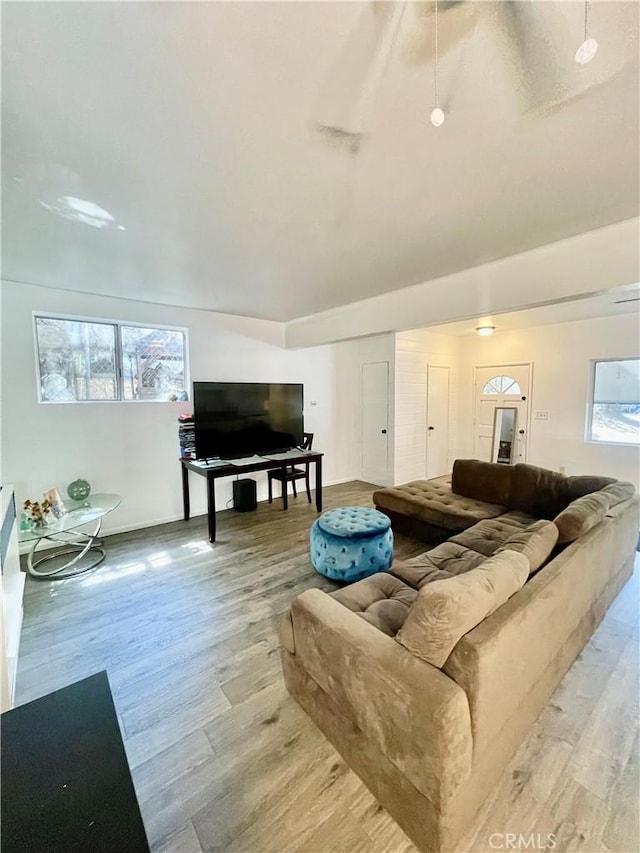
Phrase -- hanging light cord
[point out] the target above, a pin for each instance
(589, 47)
(437, 115)
(435, 51)
(586, 17)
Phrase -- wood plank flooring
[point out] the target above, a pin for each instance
(221, 757)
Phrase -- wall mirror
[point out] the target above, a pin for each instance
(504, 435)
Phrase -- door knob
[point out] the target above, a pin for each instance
(430, 428)
(383, 431)
(521, 431)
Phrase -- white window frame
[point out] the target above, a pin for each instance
(118, 356)
(592, 386)
(501, 376)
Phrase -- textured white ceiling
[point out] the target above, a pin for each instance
(265, 161)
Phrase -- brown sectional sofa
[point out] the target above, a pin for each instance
(428, 678)
(480, 491)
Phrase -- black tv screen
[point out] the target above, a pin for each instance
(236, 419)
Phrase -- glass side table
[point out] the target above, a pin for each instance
(63, 531)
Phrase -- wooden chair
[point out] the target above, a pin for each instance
(290, 474)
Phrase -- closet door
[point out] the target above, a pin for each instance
(437, 421)
(375, 423)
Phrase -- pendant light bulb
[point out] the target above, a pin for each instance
(589, 46)
(586, 51)
(437, 117)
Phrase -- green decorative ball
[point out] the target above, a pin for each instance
(79, 490)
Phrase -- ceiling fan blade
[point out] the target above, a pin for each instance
(540, 41)
(457, 19)
(533, 40)
(349, 94)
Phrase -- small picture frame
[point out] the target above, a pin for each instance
(58, 509)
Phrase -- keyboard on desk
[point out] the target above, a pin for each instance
(246, 460)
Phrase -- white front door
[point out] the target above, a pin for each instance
(437, 421)
(501, 385)
(375, 422)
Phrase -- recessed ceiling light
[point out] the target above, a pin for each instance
(485, 331)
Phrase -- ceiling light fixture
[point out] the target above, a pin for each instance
(437, 115)
(485, 331)
(589, 47)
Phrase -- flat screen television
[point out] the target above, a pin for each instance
(236, 419)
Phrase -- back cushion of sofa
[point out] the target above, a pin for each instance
(536, 542)
(581, 515)
(618, 492)
(538, 491)
(446, 610)
(483, 481)
(584, 485)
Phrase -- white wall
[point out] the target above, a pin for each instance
(415, 350)
(596, 261)
(132, 448)
(560, 356)
(2, 371)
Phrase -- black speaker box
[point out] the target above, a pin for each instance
(244, 495)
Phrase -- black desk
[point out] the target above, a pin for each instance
(66, 786)
(229, 470)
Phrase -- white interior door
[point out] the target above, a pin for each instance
(375, 422)
(437, 421)
(501, 385)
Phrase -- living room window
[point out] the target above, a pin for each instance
(84, 360)
(614, 407)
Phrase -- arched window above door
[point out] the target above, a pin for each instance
(501, 385)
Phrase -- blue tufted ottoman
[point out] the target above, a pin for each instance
(351, 543)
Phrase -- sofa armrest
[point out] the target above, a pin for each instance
(416, 715)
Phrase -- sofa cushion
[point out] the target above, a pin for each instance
(418, 571)
(538, 491)
(536, 542)
(444, 561)
(435, 503)
(446, 610)
(381, 600)
(618, 492)
(455, 558)
(518, 519)
(483, 481)
(581, 515)
(584, 485)
(486, 536)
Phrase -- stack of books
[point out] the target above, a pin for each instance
(187, 437)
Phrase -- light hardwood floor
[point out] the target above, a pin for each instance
(221, 757)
